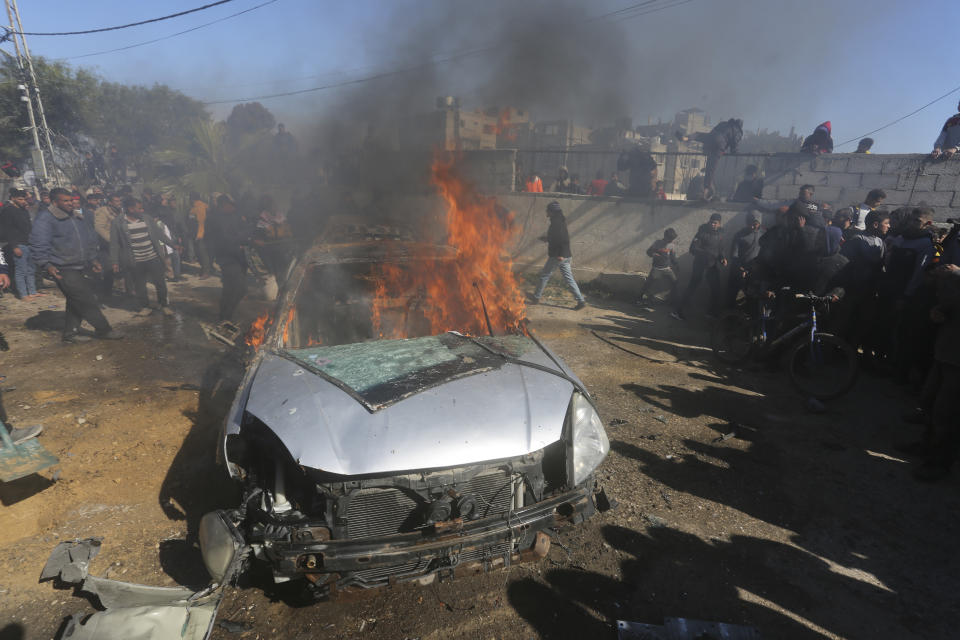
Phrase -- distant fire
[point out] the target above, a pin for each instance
(504, 128)
(481, 231)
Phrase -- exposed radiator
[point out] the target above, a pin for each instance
(379, 512)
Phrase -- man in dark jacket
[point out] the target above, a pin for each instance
(815, 209)
(15, 228)
(558, 256)
(138, 246)
(226, 236)
(723, 138)
(643, 171)
(743, 251)
(941, 442)
(64, 246)
(664, 266)
(750, 187)
(707, 251)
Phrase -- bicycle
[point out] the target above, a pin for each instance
(820, 364)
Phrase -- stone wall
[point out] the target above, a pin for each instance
(845, 178)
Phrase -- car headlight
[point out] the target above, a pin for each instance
(220, 542)
(588, 440)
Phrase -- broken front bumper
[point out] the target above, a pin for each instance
(373, 562)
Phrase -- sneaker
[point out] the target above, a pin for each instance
(676, 315)
(24, 434)
(74, 338)
(167, 311)
(109, 335)
(580, 305)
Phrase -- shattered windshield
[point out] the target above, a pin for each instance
(383, 346)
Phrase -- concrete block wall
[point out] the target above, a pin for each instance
(610, 235)
(845, 178)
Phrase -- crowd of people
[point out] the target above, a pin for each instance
(893, 278)
(105, 246)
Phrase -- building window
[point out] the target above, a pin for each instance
(551, 129)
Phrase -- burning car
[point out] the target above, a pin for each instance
(397, 420)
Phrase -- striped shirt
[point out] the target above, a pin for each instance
(140, 243)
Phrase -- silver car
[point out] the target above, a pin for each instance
(366, 461)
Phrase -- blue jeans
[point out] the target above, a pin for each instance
(24, 275)
(565, 270)
(175, 264)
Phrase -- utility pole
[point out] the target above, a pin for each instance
(33, 94)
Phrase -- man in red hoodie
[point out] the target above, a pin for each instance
(820, 141)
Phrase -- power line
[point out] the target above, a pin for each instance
(122, 26)
(900, 119)
(172, 35)
(471, 52)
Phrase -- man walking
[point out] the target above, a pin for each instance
(64, 246)
(138, 246)
(197, 227)
(15, 228)
(707, 250)
(103, 218)
(558, 256)
(227, 234)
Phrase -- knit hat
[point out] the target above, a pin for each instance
(826, 125)
(715, 217)
(554, 207)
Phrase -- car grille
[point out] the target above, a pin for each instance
(369, 578)
(385, 511)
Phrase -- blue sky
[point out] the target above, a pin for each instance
(776, 63)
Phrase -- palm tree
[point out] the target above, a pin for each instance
(210, 161)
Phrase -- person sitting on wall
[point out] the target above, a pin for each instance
(614, 186)
(658, 191)
(563, 183)
(695, 187)
(642, 168)
(597, 185)
(750, 187)
(820, 141)
(948, 142)
(534, 184)
(864, 145)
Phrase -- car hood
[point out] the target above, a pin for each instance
(506, 411)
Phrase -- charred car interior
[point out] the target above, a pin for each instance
(373, 448)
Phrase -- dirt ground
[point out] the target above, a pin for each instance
(735, 504)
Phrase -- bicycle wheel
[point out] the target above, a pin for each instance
(823, 368)
(732, 337)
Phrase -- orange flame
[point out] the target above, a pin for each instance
(504, 128)
(481, 230)
(258, 330)
(287, 324)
